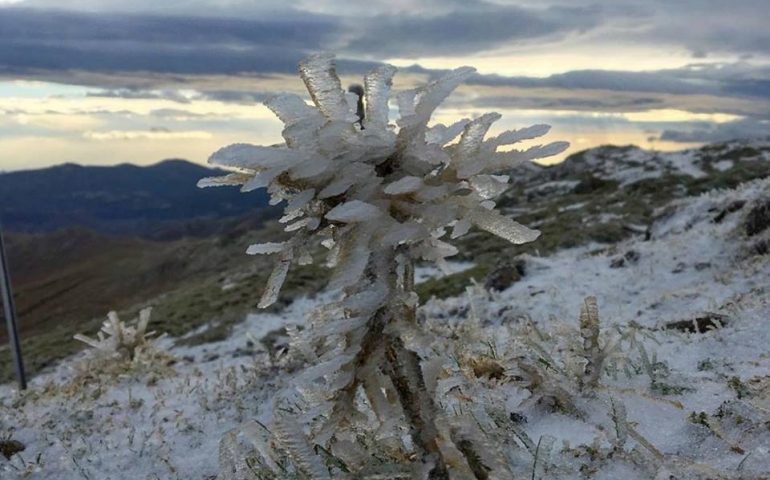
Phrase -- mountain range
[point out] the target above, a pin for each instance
(160, 201)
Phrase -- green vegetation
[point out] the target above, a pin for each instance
(668, 389)
(740, 388)
(210, 304)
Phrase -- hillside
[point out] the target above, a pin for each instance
(682, 301)
(66, 281)
(160, 201)
(603, 195)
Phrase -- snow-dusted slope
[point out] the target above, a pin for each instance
(631, 164)
(699, 264)
(698, 272)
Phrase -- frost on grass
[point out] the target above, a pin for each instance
(501, 379)
(379, 197)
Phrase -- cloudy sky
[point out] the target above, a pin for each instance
(106, 81)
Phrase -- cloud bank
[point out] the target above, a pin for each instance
(680, 72)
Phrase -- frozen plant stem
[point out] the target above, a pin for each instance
(403, 365)
(589, 332)
(405, 372)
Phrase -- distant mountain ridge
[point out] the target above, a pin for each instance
(160, 201)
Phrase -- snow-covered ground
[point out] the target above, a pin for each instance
(692, 268)
(167, 424)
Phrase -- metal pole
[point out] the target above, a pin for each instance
(10, 315)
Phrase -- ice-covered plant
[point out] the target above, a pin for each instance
(379, 197)
(122, 342)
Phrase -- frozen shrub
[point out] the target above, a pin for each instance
(118, 346)
(379, 197)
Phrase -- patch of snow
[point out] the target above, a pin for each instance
(723, 165)
(427, 272)
(628, 166)
(684, 163)
(574, 206)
